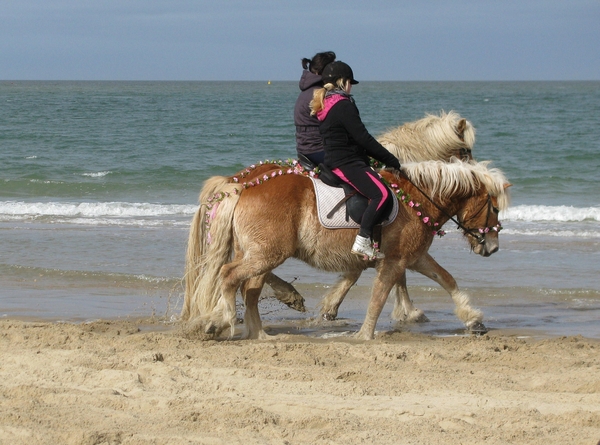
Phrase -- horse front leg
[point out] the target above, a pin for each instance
(332, 300)
(386, 278)
(471, 317)
(404, 309)
(251, 290)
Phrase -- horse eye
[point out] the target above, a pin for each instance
(496, 210)
(465, 154)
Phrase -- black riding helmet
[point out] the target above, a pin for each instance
(337, 70)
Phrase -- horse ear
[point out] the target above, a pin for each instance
(462, 126)
(507, 185)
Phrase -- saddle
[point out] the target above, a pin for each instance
(340, 206)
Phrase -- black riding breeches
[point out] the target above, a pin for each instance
(368, 183)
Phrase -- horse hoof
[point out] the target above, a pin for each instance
(299, 306)
(329, 317)
(478, 328)
(417, 316)
(211, 329)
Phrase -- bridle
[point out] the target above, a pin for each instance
(465, 154)
(477, 233)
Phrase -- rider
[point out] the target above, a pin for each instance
(308, 138)
(348, 146)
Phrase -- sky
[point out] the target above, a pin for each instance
(419, 40)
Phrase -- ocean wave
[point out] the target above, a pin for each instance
(558, 221)
(539, 213)
(18, 209)
(147, 222)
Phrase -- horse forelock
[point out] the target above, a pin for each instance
(446, 178)
(432, 137)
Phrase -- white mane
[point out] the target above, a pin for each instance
(432, 137)
(444, 178)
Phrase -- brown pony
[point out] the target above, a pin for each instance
(433, 137)
(261, 226)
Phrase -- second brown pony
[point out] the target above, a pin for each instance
(433, 137)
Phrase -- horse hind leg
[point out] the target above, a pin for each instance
(224, 313)
(404, 309)
(234, 275)
(251, 290)
(333, 299)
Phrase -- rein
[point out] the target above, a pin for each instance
(478, 234)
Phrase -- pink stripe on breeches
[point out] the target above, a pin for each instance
(382, 188)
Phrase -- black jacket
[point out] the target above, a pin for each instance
(308, 138)
(347, 141)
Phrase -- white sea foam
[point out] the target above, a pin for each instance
(97, 174)
(556, 233)
(121, 222)
(538, 213)
(535, 213)
(19, 209)
(558, 221)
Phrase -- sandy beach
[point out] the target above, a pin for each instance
(134, 382)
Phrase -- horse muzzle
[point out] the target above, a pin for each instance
(489, 246)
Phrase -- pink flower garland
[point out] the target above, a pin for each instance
(292, 166)
(405, 198)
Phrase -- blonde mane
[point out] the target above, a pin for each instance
(445, 178)
(432, 137)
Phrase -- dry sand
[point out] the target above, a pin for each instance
(114, 383)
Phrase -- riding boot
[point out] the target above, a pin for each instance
(364, 247)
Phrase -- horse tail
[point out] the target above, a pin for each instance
(209, 246)
(193, 259)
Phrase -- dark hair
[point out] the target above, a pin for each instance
(318, 62)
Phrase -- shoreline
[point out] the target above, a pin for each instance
(510, 311)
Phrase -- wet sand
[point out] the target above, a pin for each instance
(138, 382)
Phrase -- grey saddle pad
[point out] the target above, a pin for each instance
(328, 197)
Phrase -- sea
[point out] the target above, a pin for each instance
(99, 182)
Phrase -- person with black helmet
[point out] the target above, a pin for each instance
(308, 139)
(348, 146)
